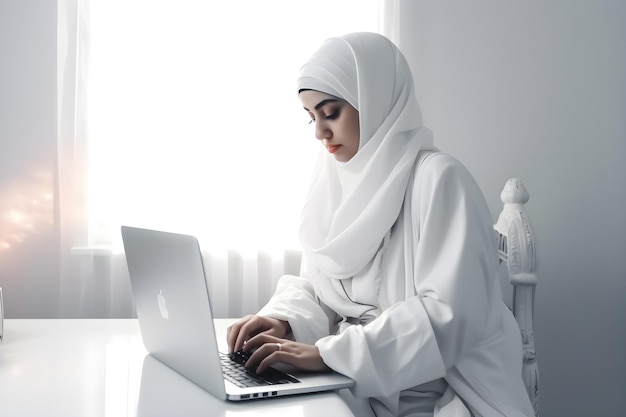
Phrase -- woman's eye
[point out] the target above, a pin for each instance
(332, 116)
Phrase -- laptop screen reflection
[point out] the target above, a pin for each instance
(164, 392)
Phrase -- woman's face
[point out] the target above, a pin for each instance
(336, 123)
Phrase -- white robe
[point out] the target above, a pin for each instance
(447, 330)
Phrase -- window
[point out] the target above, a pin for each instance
(193, 121)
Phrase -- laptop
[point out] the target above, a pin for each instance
(165, 393)
(173, 307)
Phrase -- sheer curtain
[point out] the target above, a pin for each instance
(193, 121)
(182, 116)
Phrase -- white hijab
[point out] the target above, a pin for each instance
(352, 206)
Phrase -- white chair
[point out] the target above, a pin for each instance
(516, 250)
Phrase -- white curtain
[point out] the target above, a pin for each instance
(182, 116)
(193, 123)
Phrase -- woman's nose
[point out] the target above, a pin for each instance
(321, 130)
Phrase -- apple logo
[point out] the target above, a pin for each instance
(162, 305)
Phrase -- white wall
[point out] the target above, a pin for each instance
(537, 90)
(29, 266)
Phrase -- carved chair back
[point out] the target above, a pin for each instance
(516, 249)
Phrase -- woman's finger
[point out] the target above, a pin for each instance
(271, 350)
(234, 330)
(274, 358)
(252, 327)
(267, 355)
(247, 330)
(260, 339)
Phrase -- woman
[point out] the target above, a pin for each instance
(398, 285)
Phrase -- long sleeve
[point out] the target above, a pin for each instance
(295, 302)
(443, 314)
(420, 337)
(456, 258)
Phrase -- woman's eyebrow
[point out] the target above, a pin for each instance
(323, 103)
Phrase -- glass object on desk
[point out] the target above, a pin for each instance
(1, 316)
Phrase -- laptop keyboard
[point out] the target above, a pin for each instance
(235, 371)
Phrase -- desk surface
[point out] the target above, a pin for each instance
(95, 367)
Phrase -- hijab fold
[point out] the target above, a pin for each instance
(351, 206)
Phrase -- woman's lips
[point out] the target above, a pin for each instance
(333, 148)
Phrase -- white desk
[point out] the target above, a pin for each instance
(87, 368)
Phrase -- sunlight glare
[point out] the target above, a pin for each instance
(197, 129)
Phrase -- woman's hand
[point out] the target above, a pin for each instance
(249, 326)
(269, 350)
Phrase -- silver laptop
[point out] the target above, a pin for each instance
(173, 306)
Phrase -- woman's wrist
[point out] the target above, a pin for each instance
(286, 327)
